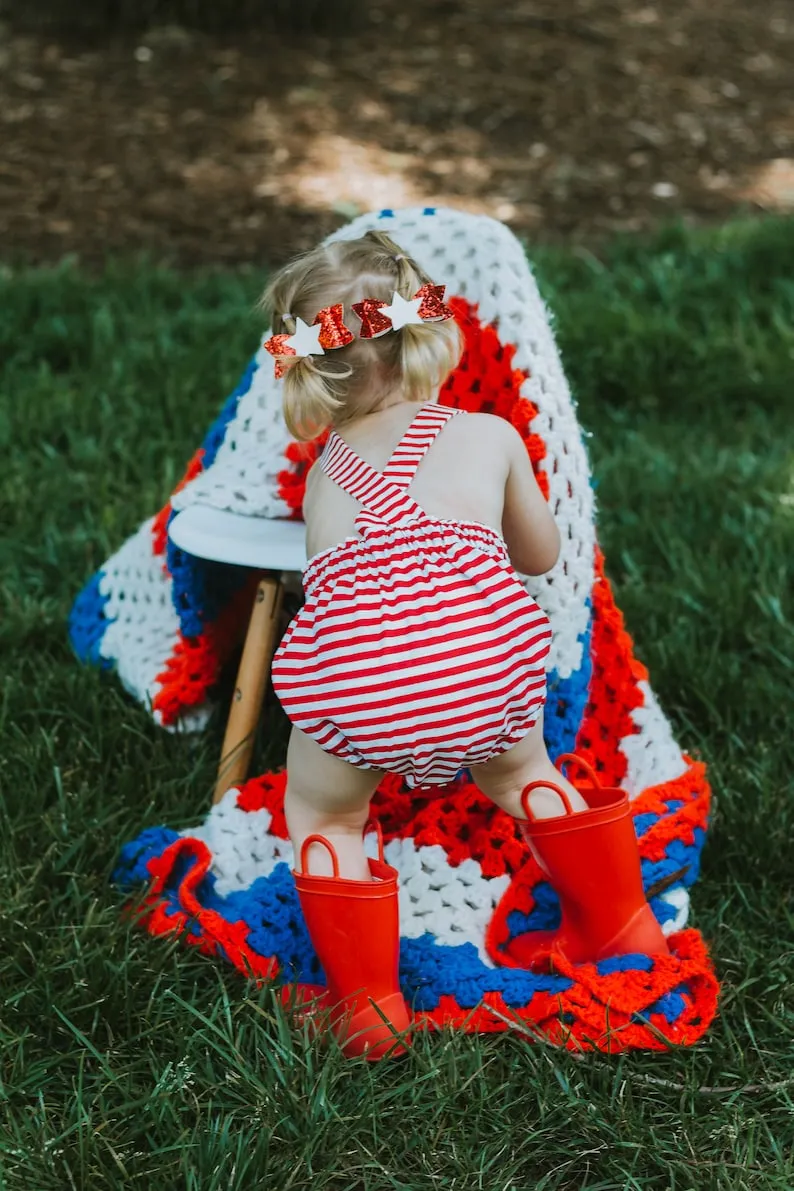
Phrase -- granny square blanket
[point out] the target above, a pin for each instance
(167, 623)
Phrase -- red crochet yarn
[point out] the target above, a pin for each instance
(292, 480)
(600, 1012)
(160, 523)
(216, 936)
(195, 662)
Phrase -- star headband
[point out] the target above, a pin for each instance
(328, 331)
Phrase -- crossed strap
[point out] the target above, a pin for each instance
(385, 494)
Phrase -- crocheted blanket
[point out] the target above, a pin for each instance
(167, 622)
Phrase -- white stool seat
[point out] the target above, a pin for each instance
(264, 543)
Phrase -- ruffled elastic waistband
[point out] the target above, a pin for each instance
(427, 534)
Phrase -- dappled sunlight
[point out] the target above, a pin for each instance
(563, 118)
(771, 185)
(328, 170)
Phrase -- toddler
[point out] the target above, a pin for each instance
(418, 651)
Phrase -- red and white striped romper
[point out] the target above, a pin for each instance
(417, 650)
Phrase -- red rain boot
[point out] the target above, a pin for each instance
(593, 862)
(354, 927)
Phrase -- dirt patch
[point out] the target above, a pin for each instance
(571, 118)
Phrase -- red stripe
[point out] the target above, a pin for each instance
(398, 644)
(484, 690)
(464, 669)
(489, 711)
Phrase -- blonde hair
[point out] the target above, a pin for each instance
(323, 390)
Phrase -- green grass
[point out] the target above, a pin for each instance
(128, 1062)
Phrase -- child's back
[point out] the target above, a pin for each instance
(476, 470)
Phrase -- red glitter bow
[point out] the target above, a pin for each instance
(373, 323)
(277, 346)
(433, 309)
(333, 334)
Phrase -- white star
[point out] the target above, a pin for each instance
(402, 311)
(306, 340)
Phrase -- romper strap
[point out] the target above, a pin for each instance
(369, 487)
(385, 493)
(416, 442)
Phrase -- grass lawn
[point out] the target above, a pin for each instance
(127, 1062)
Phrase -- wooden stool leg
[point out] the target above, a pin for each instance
(249, 691)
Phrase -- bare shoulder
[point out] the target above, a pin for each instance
(313, 475)
(314, 482)
(488, 433)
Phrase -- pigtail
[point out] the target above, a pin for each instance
(310, 394)
(310, 398)
(428, 353)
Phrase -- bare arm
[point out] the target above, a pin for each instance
(531, 534)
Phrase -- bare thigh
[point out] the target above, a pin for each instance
(503, 778)
(326, 796)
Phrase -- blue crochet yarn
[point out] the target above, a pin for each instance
(663, 910)
(545, 914)
(566, 701)
(134, 857)
(87, 623)
(217, 431)
(624, 963)
(202, 589)
(678, 855)
(643, 823)
(430, 970)
(271, 910)
(672, 1005)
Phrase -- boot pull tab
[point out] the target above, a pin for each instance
(318, 839)
(585, 766)
(543, 785)
(372, 822)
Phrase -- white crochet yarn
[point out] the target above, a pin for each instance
(241, 846)
(454, 905)
(143, 628)
(244, 474)
(677, 897)
(652, 754)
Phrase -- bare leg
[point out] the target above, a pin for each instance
(504, 777)
(328, 797)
